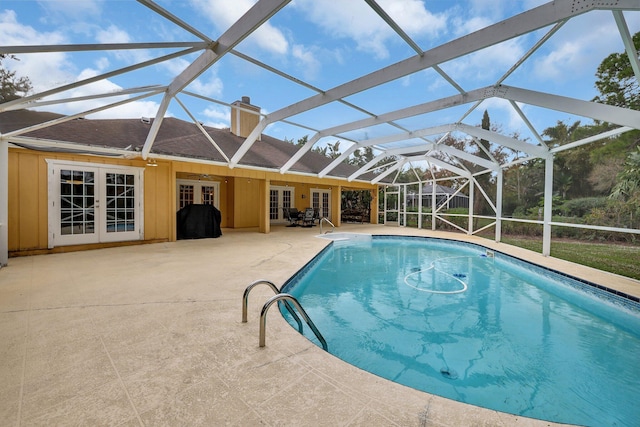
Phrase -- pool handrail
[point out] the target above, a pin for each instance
(245, 301)
(305, 316)
(325, 219)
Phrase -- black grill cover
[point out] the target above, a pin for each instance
(198, 222)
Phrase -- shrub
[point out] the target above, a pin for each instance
(580, 207)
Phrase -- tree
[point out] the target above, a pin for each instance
(570, 166)
(361, 156)
(11, 86)
(331, 151)
(302, 141)
(617, 82)
(479, 203)
(628, 185)
(525, 183)
(604, 174)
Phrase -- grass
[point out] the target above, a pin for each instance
(616, 258)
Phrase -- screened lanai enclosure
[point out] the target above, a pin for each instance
(396, 88)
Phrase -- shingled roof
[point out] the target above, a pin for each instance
(176, 138)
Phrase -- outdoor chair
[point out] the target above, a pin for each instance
(292, 215)
(308, 218)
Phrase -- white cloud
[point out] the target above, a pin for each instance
(224, 13)
(133, 109)
(64, 11)
(112, 34)
(50, 70)
(413, 17)
(307, 61)
(102, 63)
(574, 53)
(44, 70)
(211, 86)
(356, 21)
(464, 25)
(487, 65)
(217, 116)
(176, 65)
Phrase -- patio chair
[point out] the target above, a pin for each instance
(308, 218)
(292, 215)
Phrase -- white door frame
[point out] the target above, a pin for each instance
(278, 204)
(323, 201)
(102, 232)
(197, 191)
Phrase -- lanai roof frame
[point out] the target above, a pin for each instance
(549, 18)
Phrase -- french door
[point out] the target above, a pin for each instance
(280, 198)
(91, 203)
(197, 192)
(321, 202)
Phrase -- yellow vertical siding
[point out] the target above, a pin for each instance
(246, 199)
(27, 224)
(244, 195)
(158, 208)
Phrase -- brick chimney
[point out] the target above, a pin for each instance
(244, 117)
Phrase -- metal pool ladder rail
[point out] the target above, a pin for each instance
(325, 219)
(245, 301)
(287, 299)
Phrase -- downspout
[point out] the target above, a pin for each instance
(4, 202)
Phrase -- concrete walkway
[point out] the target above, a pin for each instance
(152, 335)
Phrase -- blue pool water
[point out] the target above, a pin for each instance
(493, 331)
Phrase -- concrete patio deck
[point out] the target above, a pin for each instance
(152, 335)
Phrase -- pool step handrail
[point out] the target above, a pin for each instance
(288, 297)
(325, 219)
(245, 301)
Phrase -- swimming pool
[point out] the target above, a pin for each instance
(481, 327)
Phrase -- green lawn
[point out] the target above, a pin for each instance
(615, 258)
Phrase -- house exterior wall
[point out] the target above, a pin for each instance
(28, 198)
(244, 195)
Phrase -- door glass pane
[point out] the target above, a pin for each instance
(274, 209)
(186, 195)
(286, 199)
(120, 204)
(77, 202)
(207, 195)
(325, 205)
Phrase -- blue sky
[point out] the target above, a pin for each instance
(317, 42)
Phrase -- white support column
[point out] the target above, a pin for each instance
(420, 205)
(433, 205)
(548, 204)
(499, 183)
(4, 202)
(471, 191)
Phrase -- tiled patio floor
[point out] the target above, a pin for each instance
(152, 335)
